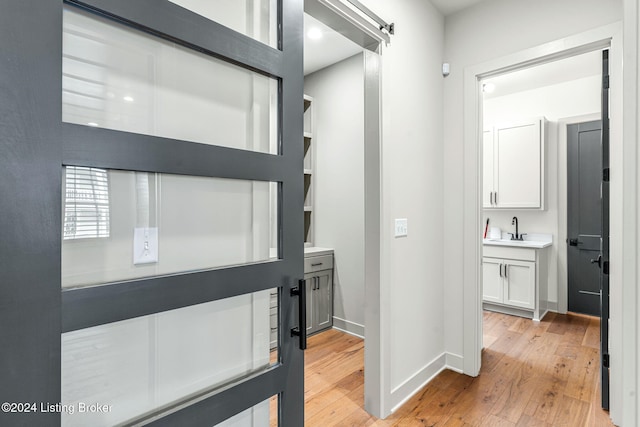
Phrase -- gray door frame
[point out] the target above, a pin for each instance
(35, 145)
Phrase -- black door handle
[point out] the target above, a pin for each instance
(301, 330)
(597, 261)
(573, 242)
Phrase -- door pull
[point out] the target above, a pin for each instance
(590, 293)
(597, 261)
(301, 330)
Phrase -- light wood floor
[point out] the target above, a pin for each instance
(544, 374)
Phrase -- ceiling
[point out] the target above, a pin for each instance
(575, 67)
(332, 47)
(447, 7)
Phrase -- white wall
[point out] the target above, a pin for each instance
(579, 97)
(338, 179)
(411, 312)
(627, 333)
(487, 31)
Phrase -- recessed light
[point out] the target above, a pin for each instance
(314, 33)
(488, 87)
(128, 98)
(94, 124)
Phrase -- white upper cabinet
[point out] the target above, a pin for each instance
(513, 165)
(487, 169)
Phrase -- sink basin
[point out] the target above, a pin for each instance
(513, 242)
(525, 243)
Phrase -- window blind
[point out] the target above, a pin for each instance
(86, 206)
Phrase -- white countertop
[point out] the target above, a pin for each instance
(316, 251)
(534, 241)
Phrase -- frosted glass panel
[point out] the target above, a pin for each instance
(119, 78)
(137, 366)
(264, 414)
(161, 224)
(254, 18)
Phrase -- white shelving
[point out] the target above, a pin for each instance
(308, 167)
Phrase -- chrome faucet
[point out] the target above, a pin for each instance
(516, 236)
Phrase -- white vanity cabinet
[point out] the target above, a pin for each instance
(514, 280)
(514, 165)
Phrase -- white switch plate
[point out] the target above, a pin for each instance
(402, 227)
(145, 245)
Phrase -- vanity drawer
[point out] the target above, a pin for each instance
(318, 263)
(523, 254)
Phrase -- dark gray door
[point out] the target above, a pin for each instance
(584, 216)
(603, 261)
(38, 311)
(588, 223)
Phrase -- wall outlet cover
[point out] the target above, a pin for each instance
(145, 245)
(402, 227)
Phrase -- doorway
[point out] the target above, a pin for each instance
(574, 88)
(342, 163)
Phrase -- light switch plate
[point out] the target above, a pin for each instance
(145, 245)
(402, 227)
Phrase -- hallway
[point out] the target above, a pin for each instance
(532, 374)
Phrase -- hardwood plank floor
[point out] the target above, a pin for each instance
(533, 374)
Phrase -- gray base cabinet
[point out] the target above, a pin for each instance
(319, 282)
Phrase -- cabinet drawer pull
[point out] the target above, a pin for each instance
(500, 270)
(495, 198)
(316, 264)
(505, 270)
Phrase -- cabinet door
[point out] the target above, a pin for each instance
(323, 299)
(311, 281)
(518, 160)
(520, 284)
(492, 287)
(487, 168)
